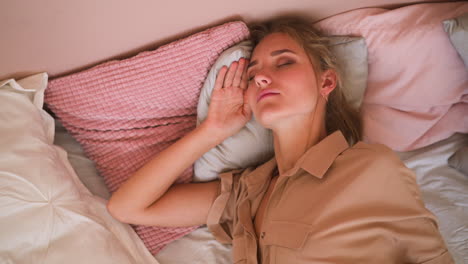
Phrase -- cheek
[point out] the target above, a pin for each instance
(251, 100)
(302, 94)
(301, 85)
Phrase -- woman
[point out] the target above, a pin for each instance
(323, 198)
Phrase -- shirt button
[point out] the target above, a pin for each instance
(262, 235)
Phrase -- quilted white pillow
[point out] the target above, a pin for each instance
(253, 144)
(47, 215)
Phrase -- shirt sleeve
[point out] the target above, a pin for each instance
(222, 212)
(418, 235)
(421, 242)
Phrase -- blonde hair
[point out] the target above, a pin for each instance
(340, 115)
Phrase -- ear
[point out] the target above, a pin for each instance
(328, 82)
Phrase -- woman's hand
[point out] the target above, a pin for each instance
(228, 111)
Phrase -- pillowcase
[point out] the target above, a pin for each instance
(47, 215)
(351, 55)
(416, 89)
(253, 144)
(457, 29)
(125, 112)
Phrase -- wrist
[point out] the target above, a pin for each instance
(210, 135)
(213, 135)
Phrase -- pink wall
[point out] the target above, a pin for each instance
(63, 36)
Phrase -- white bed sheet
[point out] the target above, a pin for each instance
(198, 247)
(444, 191)
(84, 167)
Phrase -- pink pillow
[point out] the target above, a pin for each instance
(417, 84)
(124, 112)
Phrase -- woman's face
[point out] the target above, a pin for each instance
(282, 81)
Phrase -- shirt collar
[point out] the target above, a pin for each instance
(319, 158)
(316, 161)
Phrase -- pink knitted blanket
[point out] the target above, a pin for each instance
(124, 112)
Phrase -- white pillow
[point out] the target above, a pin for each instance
(253, 144)
(351, 54)
(47, 214)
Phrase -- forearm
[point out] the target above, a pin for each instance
(226, 116)
(151, 181)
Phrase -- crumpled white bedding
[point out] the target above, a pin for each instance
(46, 214)
(84, 167)
(444, 191)
(199, 246)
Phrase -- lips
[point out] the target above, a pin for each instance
(266, 93)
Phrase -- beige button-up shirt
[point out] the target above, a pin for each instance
(338, 204)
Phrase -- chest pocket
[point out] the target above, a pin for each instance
(286, 241)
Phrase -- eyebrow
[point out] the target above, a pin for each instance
(273, 53)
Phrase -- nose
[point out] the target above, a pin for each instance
(262, 80)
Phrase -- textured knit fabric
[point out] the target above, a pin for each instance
(338, 204)
(124, 112)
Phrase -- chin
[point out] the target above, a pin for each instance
(267, 118)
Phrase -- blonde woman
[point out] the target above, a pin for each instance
(325, 197)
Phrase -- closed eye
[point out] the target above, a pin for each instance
(251, 77)
(286, 63)
(282, 63)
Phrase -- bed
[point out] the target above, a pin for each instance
(72, 129)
